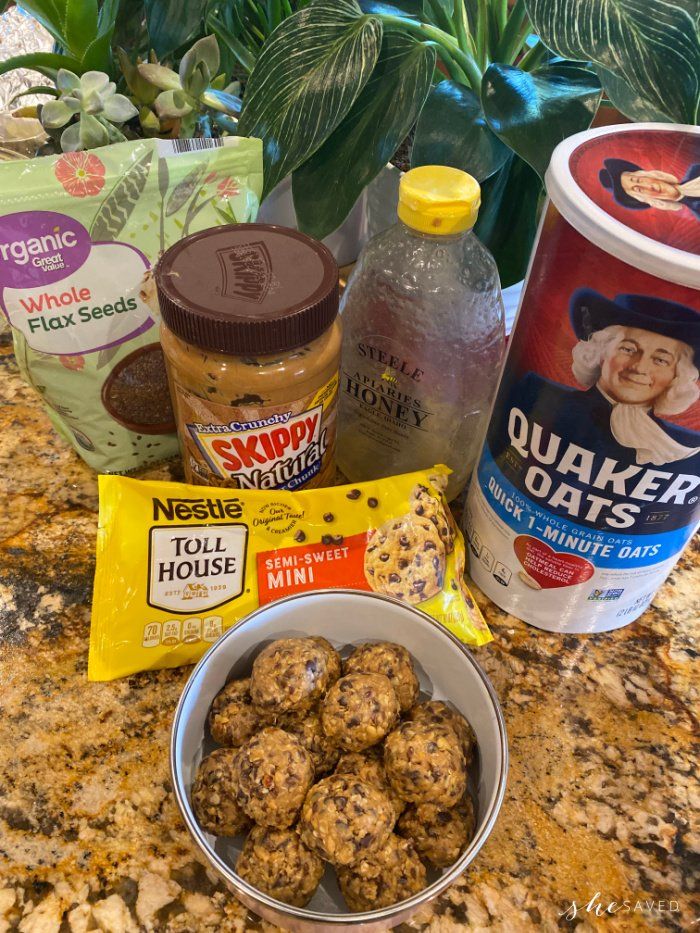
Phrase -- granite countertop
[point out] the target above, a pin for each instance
(601, 796)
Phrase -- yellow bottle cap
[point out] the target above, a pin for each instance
(438, 199)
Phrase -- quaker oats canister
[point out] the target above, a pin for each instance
(587, 487)
(251, 339)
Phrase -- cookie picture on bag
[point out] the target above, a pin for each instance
(426, 505)
(405, 558)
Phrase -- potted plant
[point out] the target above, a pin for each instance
(335, 86)
(243, 27)
(338, 86)
(107, 79)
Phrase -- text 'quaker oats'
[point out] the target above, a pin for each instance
(588, 484)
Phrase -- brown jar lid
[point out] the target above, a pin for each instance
(247, 288)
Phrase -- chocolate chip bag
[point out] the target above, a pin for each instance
(78, 235)
(177, 565)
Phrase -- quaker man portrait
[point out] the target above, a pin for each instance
(638, 189)
(637, 358)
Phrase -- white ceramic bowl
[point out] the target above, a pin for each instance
(446, 670)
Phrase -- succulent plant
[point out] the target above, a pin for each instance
(188, 95)
(93, 99)
(143, 95)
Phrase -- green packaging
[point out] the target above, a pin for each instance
(79, 233)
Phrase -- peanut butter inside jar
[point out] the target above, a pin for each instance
(251, 338)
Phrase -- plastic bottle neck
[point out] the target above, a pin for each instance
(435, 237)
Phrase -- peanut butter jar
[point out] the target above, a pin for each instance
(251, 338)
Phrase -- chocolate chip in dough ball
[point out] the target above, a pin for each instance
(425, 764)
(343, 819)
(334, 662)
(394, 662)
(323, 750)
(439, 834)
(290, 674)
(273, 773)
(233, 719)
(368, 766)
(438, 713)
(383, 878)
(278, 863)
(359, 710)
(214, 795)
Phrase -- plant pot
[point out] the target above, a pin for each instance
(511, 302)
(382, 198)
(345, 243)
(21, 135)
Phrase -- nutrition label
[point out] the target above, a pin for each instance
(178, 631)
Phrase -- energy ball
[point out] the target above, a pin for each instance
(382, 878)
(273, 773)
(368, 766)
(439, 834)
(438, 713)
(394, 662)
(233, 719)
(291, 674)
(214, 795)
(344, 819)
(359, 710)
(425, 764)
(323, 750)
(278, 863)
(334, 662)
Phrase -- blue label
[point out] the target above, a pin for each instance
(296, 481)
(603, 548)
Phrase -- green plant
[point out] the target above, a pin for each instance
(87, 33)
(194, 93)
(93, 99)
(646, 54)
(82, 31)
(243, 26)
(338, 86)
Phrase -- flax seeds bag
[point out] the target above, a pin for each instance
(78, 235)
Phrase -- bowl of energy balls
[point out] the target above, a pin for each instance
(339, 758)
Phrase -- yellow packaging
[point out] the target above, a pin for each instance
(177, 565)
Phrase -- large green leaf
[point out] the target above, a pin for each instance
(650, 44)
(508, 217)
(306, 79)
(173, 23)
(98, 54)
(629, 101)
(46, 63)
(72, 23)
(130, 29)
(368, 137)
(452, 131)
(532, 113)
(228, 40)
